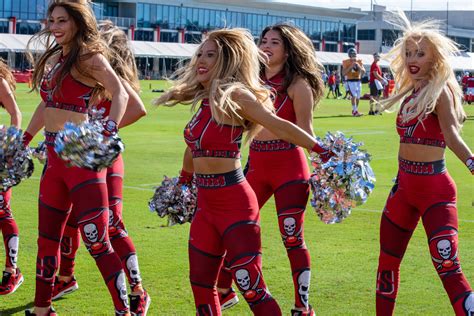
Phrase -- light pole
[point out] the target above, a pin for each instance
(447, 17)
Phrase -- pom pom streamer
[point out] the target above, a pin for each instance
(16, 163)
(175, 200)
(85, 146)
(40, 152)
(343, 182)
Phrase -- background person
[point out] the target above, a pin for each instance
(354, 70)
(376, 84)
(429, 119)
(122, 60)
(332, 85)
(12, 277)
(224, 74)
(66, 73)
(290, 72)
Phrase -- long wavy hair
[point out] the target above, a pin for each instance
(85, 43)
(301, 61)
(6, 73)
(440, 76)
(120, 57)
(237, 67)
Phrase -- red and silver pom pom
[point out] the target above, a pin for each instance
(15, 159)
(40, 152)
(85, 146)
(175, 200)
(343, 182)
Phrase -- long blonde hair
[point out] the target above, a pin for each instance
(301, 61)
(237, 67)
(6, 73)
(120, 57)
(441, 76)
(85, 44)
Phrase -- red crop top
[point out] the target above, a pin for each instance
(282, 102)
(74, 95)
(103, 108)
(428, 132)
(207, 138)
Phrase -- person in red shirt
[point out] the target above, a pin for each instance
(376, 83)
(332, 85)
(464, 80)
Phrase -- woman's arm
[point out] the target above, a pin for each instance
(255, 112)
(35, 125)
(8, 100)
(447, 119)
(303, 102)
(106, 76)
(135, 107)
(187, 172)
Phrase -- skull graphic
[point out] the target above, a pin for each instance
(13, 249)
(289, 224)
(444, 248)
(91, 232)
(121, 288)
(1, 200)
(303, 286)
(243, 279)
(469, 305)
(132, 267)
(111, 218)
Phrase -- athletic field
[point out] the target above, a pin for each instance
(344, 256)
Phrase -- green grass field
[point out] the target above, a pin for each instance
(344, 256)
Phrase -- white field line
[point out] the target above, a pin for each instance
(140, 188)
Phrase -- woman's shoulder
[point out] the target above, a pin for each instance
(300, 84)
(4, 86)
(92, 58)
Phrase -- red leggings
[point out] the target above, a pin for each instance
(433, 199)
(288, 182)
(60, 187)
(9, 229)
(227, 219)
(121, 242)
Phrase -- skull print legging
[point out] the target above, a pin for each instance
(227, 219)
(60, 187)
(288, 182)
(433, 198)
(9, 229)
(121, 242)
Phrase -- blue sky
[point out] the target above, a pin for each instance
(391, 4)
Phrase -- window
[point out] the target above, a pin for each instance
(192, 38)
(366, 35)
(463, 42)
(389, 37)
(142, 35)
(348, 32)
(330, 31)
(170, 37)
(331, 47)
(3, 27)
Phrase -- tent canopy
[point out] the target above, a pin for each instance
(18, 42)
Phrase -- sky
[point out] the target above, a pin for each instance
(390, 4)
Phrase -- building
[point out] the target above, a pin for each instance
(376, 35)
(187, 21)
(164, 32)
